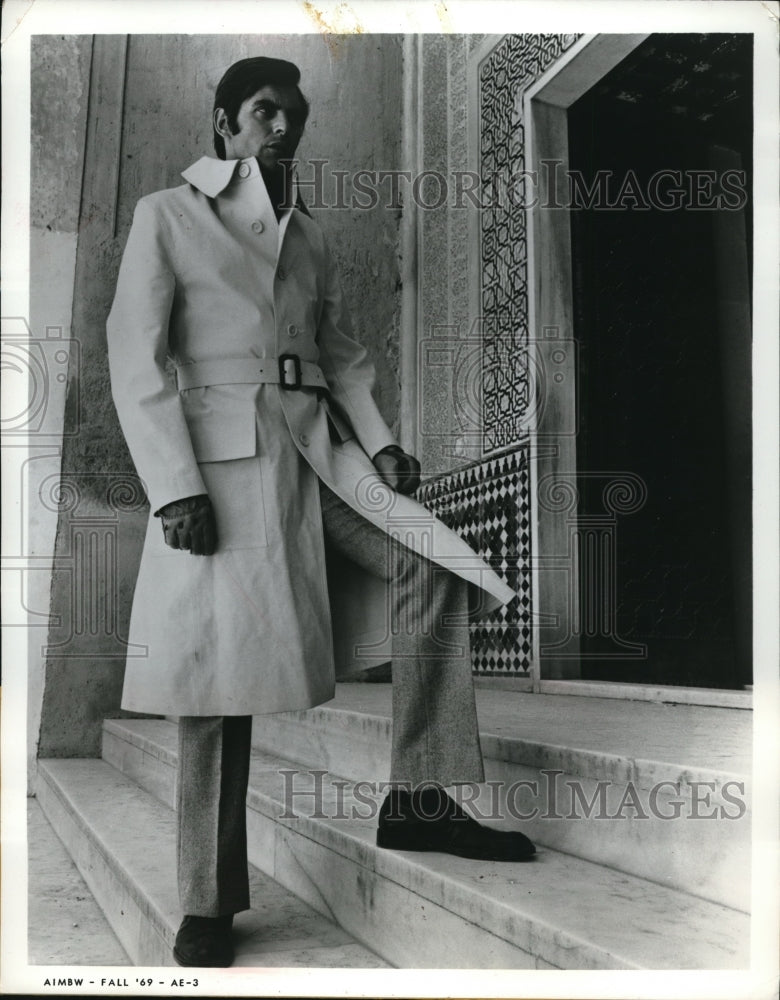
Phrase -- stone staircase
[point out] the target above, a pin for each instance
(630, 873)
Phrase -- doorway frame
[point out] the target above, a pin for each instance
(546, 103)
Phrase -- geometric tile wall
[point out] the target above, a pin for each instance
(489, 502)
(510, 68)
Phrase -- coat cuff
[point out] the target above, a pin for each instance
(372, 443)
(170, 491)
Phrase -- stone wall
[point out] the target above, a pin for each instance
(59, 101)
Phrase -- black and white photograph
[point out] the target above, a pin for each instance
(390, 495)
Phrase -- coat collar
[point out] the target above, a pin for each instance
(212, 176)
(209, 175)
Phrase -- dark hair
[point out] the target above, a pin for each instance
(245, 78)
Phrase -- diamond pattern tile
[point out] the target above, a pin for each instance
(488, 504)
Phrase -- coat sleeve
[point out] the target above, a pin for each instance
(347, 367)
(148, 405)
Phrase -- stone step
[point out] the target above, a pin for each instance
(122, 840)
(654, 773)
(433, 910)
(65, 925)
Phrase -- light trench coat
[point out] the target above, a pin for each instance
(208, 273)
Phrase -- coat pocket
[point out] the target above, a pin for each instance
(235, 487)
(222, 435)
(223, 431)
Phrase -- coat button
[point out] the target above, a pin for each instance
(244, 170)
(304, 439)
(292, 330)
(257, 226)
(281, 274)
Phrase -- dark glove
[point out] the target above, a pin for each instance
(399, 470)
(190, 524)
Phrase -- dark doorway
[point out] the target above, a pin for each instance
(662, 318)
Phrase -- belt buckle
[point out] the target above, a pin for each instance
(284, 361)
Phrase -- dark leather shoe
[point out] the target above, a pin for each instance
(205, 942)
(409, 824)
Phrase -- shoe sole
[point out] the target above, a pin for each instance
(180, 960)
(438, 849)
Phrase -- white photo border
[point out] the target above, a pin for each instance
(25, 18)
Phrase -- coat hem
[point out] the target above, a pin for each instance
(248, 708)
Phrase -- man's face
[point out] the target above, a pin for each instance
(270, 125)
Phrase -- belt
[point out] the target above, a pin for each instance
(287, 371)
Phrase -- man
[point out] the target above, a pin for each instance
(269, 447)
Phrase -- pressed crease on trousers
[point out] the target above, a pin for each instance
(435, 732)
